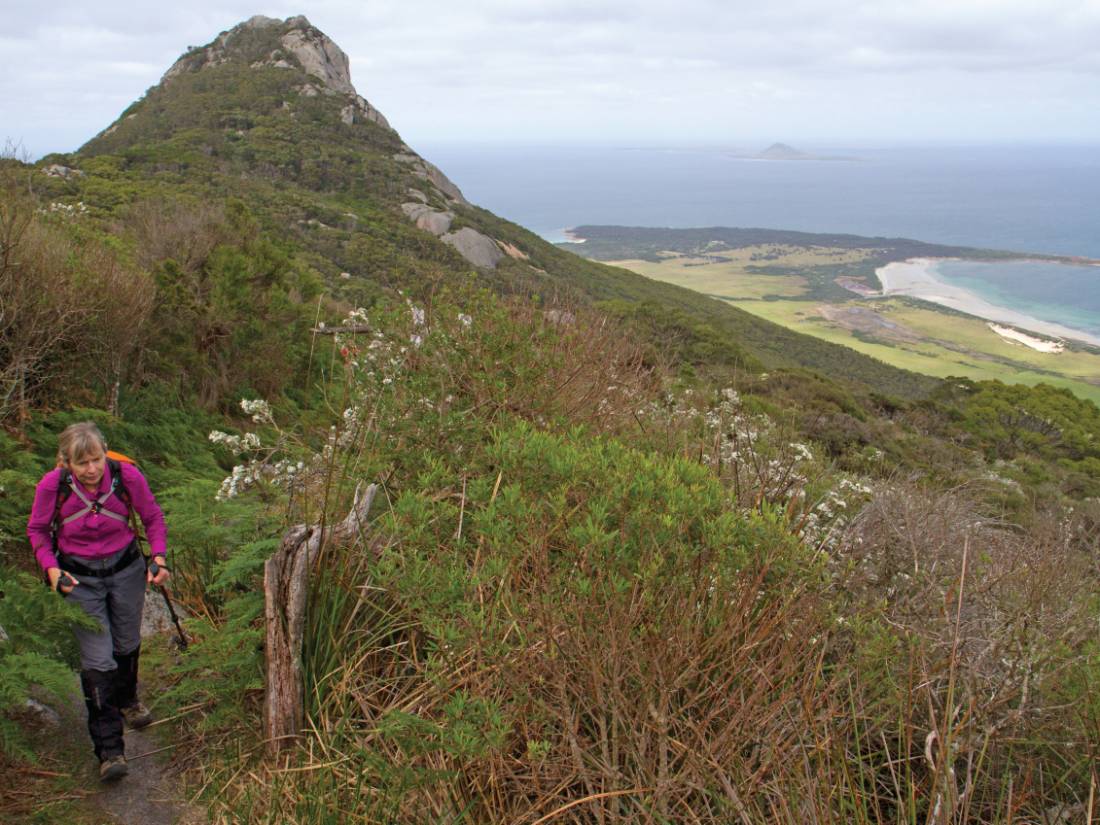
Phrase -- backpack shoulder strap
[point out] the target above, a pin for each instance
(64, 488)
(118, 484)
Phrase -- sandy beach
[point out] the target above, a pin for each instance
(917, 278)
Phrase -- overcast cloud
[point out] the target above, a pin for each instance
(801, 71)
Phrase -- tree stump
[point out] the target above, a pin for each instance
(286, 585)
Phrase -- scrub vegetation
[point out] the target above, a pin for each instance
(636, 556)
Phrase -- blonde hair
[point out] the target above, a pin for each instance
(79, 440)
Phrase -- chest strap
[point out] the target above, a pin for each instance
(95, 507)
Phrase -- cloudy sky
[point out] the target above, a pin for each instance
(807, 72)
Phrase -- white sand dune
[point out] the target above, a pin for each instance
(917, 278)
(1038, 344)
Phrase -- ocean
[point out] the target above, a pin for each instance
(1029, 199)
(1060, 293)
(1042, 199)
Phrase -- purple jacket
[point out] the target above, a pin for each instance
(94, 535)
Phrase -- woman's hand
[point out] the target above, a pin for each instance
(67, 582)
(162, 572)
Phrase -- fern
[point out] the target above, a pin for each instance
(36, 647)
(240, 569)
(231, 648)
(224, 667)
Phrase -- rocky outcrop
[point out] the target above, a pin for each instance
(56, 170)
(443, 183)
(427, 218)
(360, 110)
(319, 56)
(512, 251)
(475, 247)
(431, 173)
(478, 249)
(299, 46)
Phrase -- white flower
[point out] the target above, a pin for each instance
(357, 317)
(242, 477)
(235, 443)
(801, 452)
(464, 319)
(416, 340)
(417, 316)
(259, 409)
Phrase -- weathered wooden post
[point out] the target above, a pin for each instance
(286, 585)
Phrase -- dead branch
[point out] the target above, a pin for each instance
(286, 584)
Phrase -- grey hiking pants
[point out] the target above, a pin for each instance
(116, 602)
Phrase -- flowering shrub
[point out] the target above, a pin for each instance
(416, 378)
(262, 464)
(65, 210)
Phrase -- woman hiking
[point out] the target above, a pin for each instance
(80, 531)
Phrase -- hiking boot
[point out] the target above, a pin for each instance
(137, 715)
(112, 768)
(104, 720)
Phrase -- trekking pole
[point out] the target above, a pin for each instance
(154, 568)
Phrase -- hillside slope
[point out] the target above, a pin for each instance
(267, 113)
(594, 586)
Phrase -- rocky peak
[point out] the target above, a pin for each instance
(319, 57)
(293, 43)
(317, 68)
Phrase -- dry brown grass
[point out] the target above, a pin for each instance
(936, 669)
(992, 627)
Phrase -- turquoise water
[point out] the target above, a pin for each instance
(1061, 293)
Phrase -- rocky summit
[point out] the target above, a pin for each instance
(315, 76)
(300, 45)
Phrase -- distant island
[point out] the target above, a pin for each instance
(784, 151)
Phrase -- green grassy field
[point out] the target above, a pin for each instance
(725, 280)
(938, 343)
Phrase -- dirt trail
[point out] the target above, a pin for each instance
(149, 795)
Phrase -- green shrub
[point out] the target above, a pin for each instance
(37, 650)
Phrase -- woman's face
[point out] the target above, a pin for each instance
(88, 469)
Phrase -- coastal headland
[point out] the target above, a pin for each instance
(881, 296)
